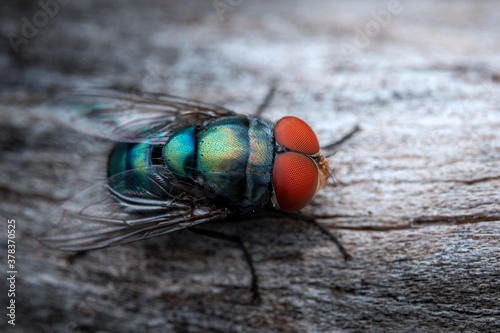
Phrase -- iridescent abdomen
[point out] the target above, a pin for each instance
(230, 158)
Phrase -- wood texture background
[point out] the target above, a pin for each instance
(417, 202)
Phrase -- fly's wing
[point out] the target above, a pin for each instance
(121, 211)
(132, 117)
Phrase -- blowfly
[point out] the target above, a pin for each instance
(179, 163)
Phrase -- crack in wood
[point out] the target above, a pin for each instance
(457, 219)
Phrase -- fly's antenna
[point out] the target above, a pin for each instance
(330, 172)
(334, 145)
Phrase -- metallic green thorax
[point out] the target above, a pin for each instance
(231, 157)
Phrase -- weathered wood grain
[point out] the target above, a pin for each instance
(417, 201)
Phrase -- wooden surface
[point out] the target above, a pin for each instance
(417, 202)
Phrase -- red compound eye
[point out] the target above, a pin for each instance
(296, 135)
(295, 180)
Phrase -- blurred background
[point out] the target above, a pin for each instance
(417, 200)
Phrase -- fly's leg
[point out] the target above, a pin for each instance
(267, 100)
(235, 239)
(346, 137)
(74, 256)
(311, 220)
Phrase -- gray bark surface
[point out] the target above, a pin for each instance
(417, 200)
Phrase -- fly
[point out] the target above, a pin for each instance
(179, 163)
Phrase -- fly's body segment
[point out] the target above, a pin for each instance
(228, 158)
(235, 160)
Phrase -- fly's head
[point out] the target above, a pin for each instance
(300, 168)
